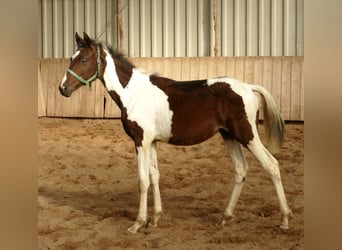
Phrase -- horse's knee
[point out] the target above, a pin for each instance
(154, 179)
(240, 172)
(144, 185)
(154, 176)
(240, 178)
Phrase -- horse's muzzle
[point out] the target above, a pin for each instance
(64, 92)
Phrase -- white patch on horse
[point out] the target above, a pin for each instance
(148, 106)
(110, 76)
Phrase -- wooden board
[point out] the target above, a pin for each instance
(282, 76)
(285, 99)
(41, 95)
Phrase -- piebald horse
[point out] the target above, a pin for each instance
(155, 108)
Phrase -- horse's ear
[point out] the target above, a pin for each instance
(80, 42)
(87, 39)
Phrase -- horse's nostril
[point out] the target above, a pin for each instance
(62, 89)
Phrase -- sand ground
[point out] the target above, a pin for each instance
(88, 192)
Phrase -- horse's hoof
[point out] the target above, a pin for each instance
(132, 229)
(150, 224)
(224, 220)
(135, 227)
(285, 220)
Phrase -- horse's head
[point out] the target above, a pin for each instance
(85, 66)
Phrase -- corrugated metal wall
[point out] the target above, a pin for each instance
(175, 28)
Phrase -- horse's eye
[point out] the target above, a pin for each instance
(84, 60)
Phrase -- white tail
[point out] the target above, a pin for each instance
(274, 123)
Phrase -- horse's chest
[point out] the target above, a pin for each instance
(150, 110)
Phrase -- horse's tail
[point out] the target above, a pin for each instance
(274, 123)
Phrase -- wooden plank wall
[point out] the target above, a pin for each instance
(282, 76)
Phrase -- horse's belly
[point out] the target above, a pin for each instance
(190, 134)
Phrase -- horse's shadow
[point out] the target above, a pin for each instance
(102, 205)
(123, 204)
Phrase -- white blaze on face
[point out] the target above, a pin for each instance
(65, 75)
(75, 55)
(63, 81)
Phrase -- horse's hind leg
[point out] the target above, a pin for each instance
(240, 171)
(271, 165)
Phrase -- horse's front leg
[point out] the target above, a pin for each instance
(144, 183)
(154, 178)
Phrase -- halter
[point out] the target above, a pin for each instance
(92, 78)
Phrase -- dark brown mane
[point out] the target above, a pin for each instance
(116, 55)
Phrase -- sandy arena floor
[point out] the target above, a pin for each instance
(88, 192)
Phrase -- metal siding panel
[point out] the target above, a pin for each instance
(40, 31)
(227, 31)
(175, 27)
(191, 31)
(79, 22)
(289, 27)
(157, 28)
(47, 28)
(133, 29)
(68, 10)
(300, 28)
(125, 38)
(89, 17)
(252, 28)
(240, 27)
(180, 28)
(110, 23)
(204, 18)
(168, 28)
(145, 28)
(264, 27)
(100, 20)
(57, 28)
(277, 28)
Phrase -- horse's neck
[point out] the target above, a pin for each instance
(116, 76)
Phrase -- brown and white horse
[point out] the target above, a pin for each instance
(155, 108)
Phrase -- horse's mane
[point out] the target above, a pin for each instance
(116, 55)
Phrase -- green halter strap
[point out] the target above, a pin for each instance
(92, 78)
